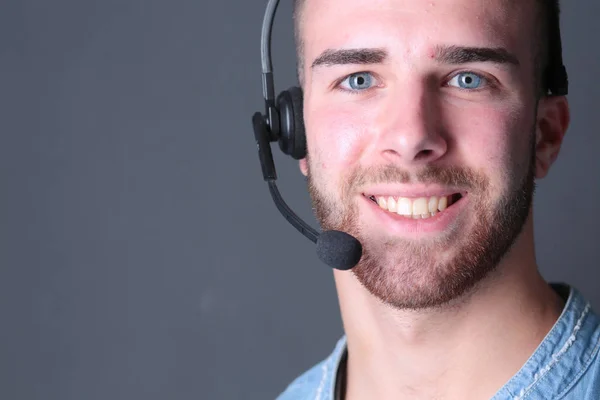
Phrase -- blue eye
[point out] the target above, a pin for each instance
(358, 81)
(467, 80)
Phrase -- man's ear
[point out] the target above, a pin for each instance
(303, 163)
(552, 122)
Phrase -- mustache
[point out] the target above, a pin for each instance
(460, 177)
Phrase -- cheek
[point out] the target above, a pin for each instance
(492, 140)
(336, 136)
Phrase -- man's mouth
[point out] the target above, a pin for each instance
(415, 208)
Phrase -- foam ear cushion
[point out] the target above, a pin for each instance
(299, 133)
(293, 138)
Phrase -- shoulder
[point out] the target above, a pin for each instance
(587, 382)
(318, 382)
(307, 385)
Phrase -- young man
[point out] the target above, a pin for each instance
(427, 124)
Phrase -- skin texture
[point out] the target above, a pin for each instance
(427, 313)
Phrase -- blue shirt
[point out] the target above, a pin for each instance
(565, 365)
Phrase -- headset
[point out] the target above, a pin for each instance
(283, 122)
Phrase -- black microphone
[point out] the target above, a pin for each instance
(337, 249)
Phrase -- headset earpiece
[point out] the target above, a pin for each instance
(292, 139)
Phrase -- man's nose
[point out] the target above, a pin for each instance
(410, 128)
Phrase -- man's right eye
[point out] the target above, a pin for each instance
(357, 82)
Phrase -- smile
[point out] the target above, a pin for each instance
(415, 208)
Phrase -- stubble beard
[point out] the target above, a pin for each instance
(409, 274)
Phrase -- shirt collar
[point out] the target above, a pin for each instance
(563, 355)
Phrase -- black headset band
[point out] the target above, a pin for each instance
(267, 68)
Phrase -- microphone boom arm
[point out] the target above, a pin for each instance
(270, 176)
(292, 218)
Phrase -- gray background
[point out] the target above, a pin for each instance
(142, 257)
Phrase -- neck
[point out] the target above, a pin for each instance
(483, 337)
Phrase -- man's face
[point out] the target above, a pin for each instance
(420, 121)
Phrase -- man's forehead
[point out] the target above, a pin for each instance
(412, 5)
(353, 23)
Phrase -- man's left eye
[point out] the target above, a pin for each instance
(467, 80)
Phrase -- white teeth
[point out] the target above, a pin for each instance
(420, 208)
(442, 203)
(404, 206)
(391, 204)
(433, 204)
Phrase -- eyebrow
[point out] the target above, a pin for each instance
(464, 55)
(443, 54)
(350, 56)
